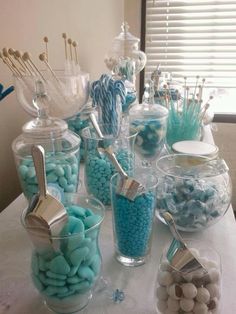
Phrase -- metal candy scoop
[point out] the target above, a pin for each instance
(128, 187)
(178, 254)
(45, 212)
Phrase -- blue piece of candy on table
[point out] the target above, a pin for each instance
(7, 91)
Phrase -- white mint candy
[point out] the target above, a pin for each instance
(200, 308)
(177, 277)
(164, 278)
(161, 293)
(186, 304)
(175, 291)
(161, 305)
(213, 305)
(173, 304)
(214, 275)
(203, 295)
(189, 290)
(188, 277)
(213, 290)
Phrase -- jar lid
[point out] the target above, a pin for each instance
(196, 148)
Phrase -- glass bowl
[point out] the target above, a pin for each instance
(195, 292)
(195, 190)
(67, 94)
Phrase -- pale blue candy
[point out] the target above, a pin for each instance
(76, 211)
(68, 171)
(52, 177)
(63, 182)
(70, 188)
(65, 295)
(55, 282)
(52, 275)
(43, 265)
(59, 265)
(83, 285)
(73, 280)
(52, 290)
(91, 221)
(35, 264)
(86, 273)
(50, 167)
(96, 264)
(23, 171)
(73, 271)
(59, 171)
(31, 172)
(78, 255)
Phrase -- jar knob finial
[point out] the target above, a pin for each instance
(125, 27)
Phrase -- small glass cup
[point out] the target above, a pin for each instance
(65, 268)
(195, 292)
(133, 220)
(98, 168)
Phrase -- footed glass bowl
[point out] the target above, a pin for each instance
(195, 190)
(67, 94)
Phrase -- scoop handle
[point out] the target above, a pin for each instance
(95, 125)
(38, 155)
(171, 223)
(111, 155)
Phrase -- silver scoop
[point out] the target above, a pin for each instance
(45, 213)
(128, 187)
(178, 254)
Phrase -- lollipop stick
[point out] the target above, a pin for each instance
(74, 44)
(26, 57)
(18, 55)
(5, 61)
(43, 58)
(70, 42)
(64, 36)
(8, 57)
(12, 53)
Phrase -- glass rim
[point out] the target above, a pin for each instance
(191, 156)
(74, 235)
(119, 137)
(154, 185)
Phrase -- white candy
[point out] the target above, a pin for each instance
(213, 304)
(173, 304)
(200, 308)
(161, 305)
(195, 252)
(161, 293)
(214, 275)
(203, 295)
(188, 277)
(175, 291)
(186, 304)
(168, 311)
(211, 264)
(177, 277)
(213, 290)
(189, 290)
(164, 278)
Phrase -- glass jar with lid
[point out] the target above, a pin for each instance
(125, 61)
(150, 121)
(61, 147)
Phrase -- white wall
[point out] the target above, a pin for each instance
(23, 24)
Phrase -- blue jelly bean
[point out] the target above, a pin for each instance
(78, 255)
(86, 272)
(38, 284)
(59, 265)
(59, 171)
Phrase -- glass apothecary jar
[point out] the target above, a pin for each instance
(98, 167)
(124, 59)
(62, 153)
(194, 189)
(194, 292)
(150, 121)
(80, 121)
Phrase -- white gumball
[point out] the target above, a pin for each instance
(200, 308)
(175, 291)
(214, 275)
(213, 305)
(173, 304)
(214, 290)
(165, 278)
(161, 293)
(203, 295)
(188, 277)
(162, 306)
(189, 290)
(186, 304)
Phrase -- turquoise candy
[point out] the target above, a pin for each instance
(38, 284)
(78, 255)
(43, 265)
(35, 264)
(74, 280)
(55, 282)
(76, 211)
(86, 273)
(65, 295)
(96, 264)
(52, 290)
(59, 265)
(61, 171)
(55, 276)
(79, 286)
(75, 225)
(91, 221)
(73, 271)
(42, 278)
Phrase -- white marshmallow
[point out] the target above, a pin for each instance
(200, 308)
(186, 304)
(203, 295)
(173, 304)
(214, 290)
(161, 305)
(164, 278)
(175, 291)
(189, 290)
(161, 293)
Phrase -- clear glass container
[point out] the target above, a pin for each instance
(150, 120)
(66, 277)
(80, 121)
(133, 220)
(98, 168)
(194, 189)
(125, 60)
(62, 155)
(195, 292)
(67, 94)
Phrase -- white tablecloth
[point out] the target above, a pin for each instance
(18, 296)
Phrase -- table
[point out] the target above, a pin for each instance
(18, 296)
